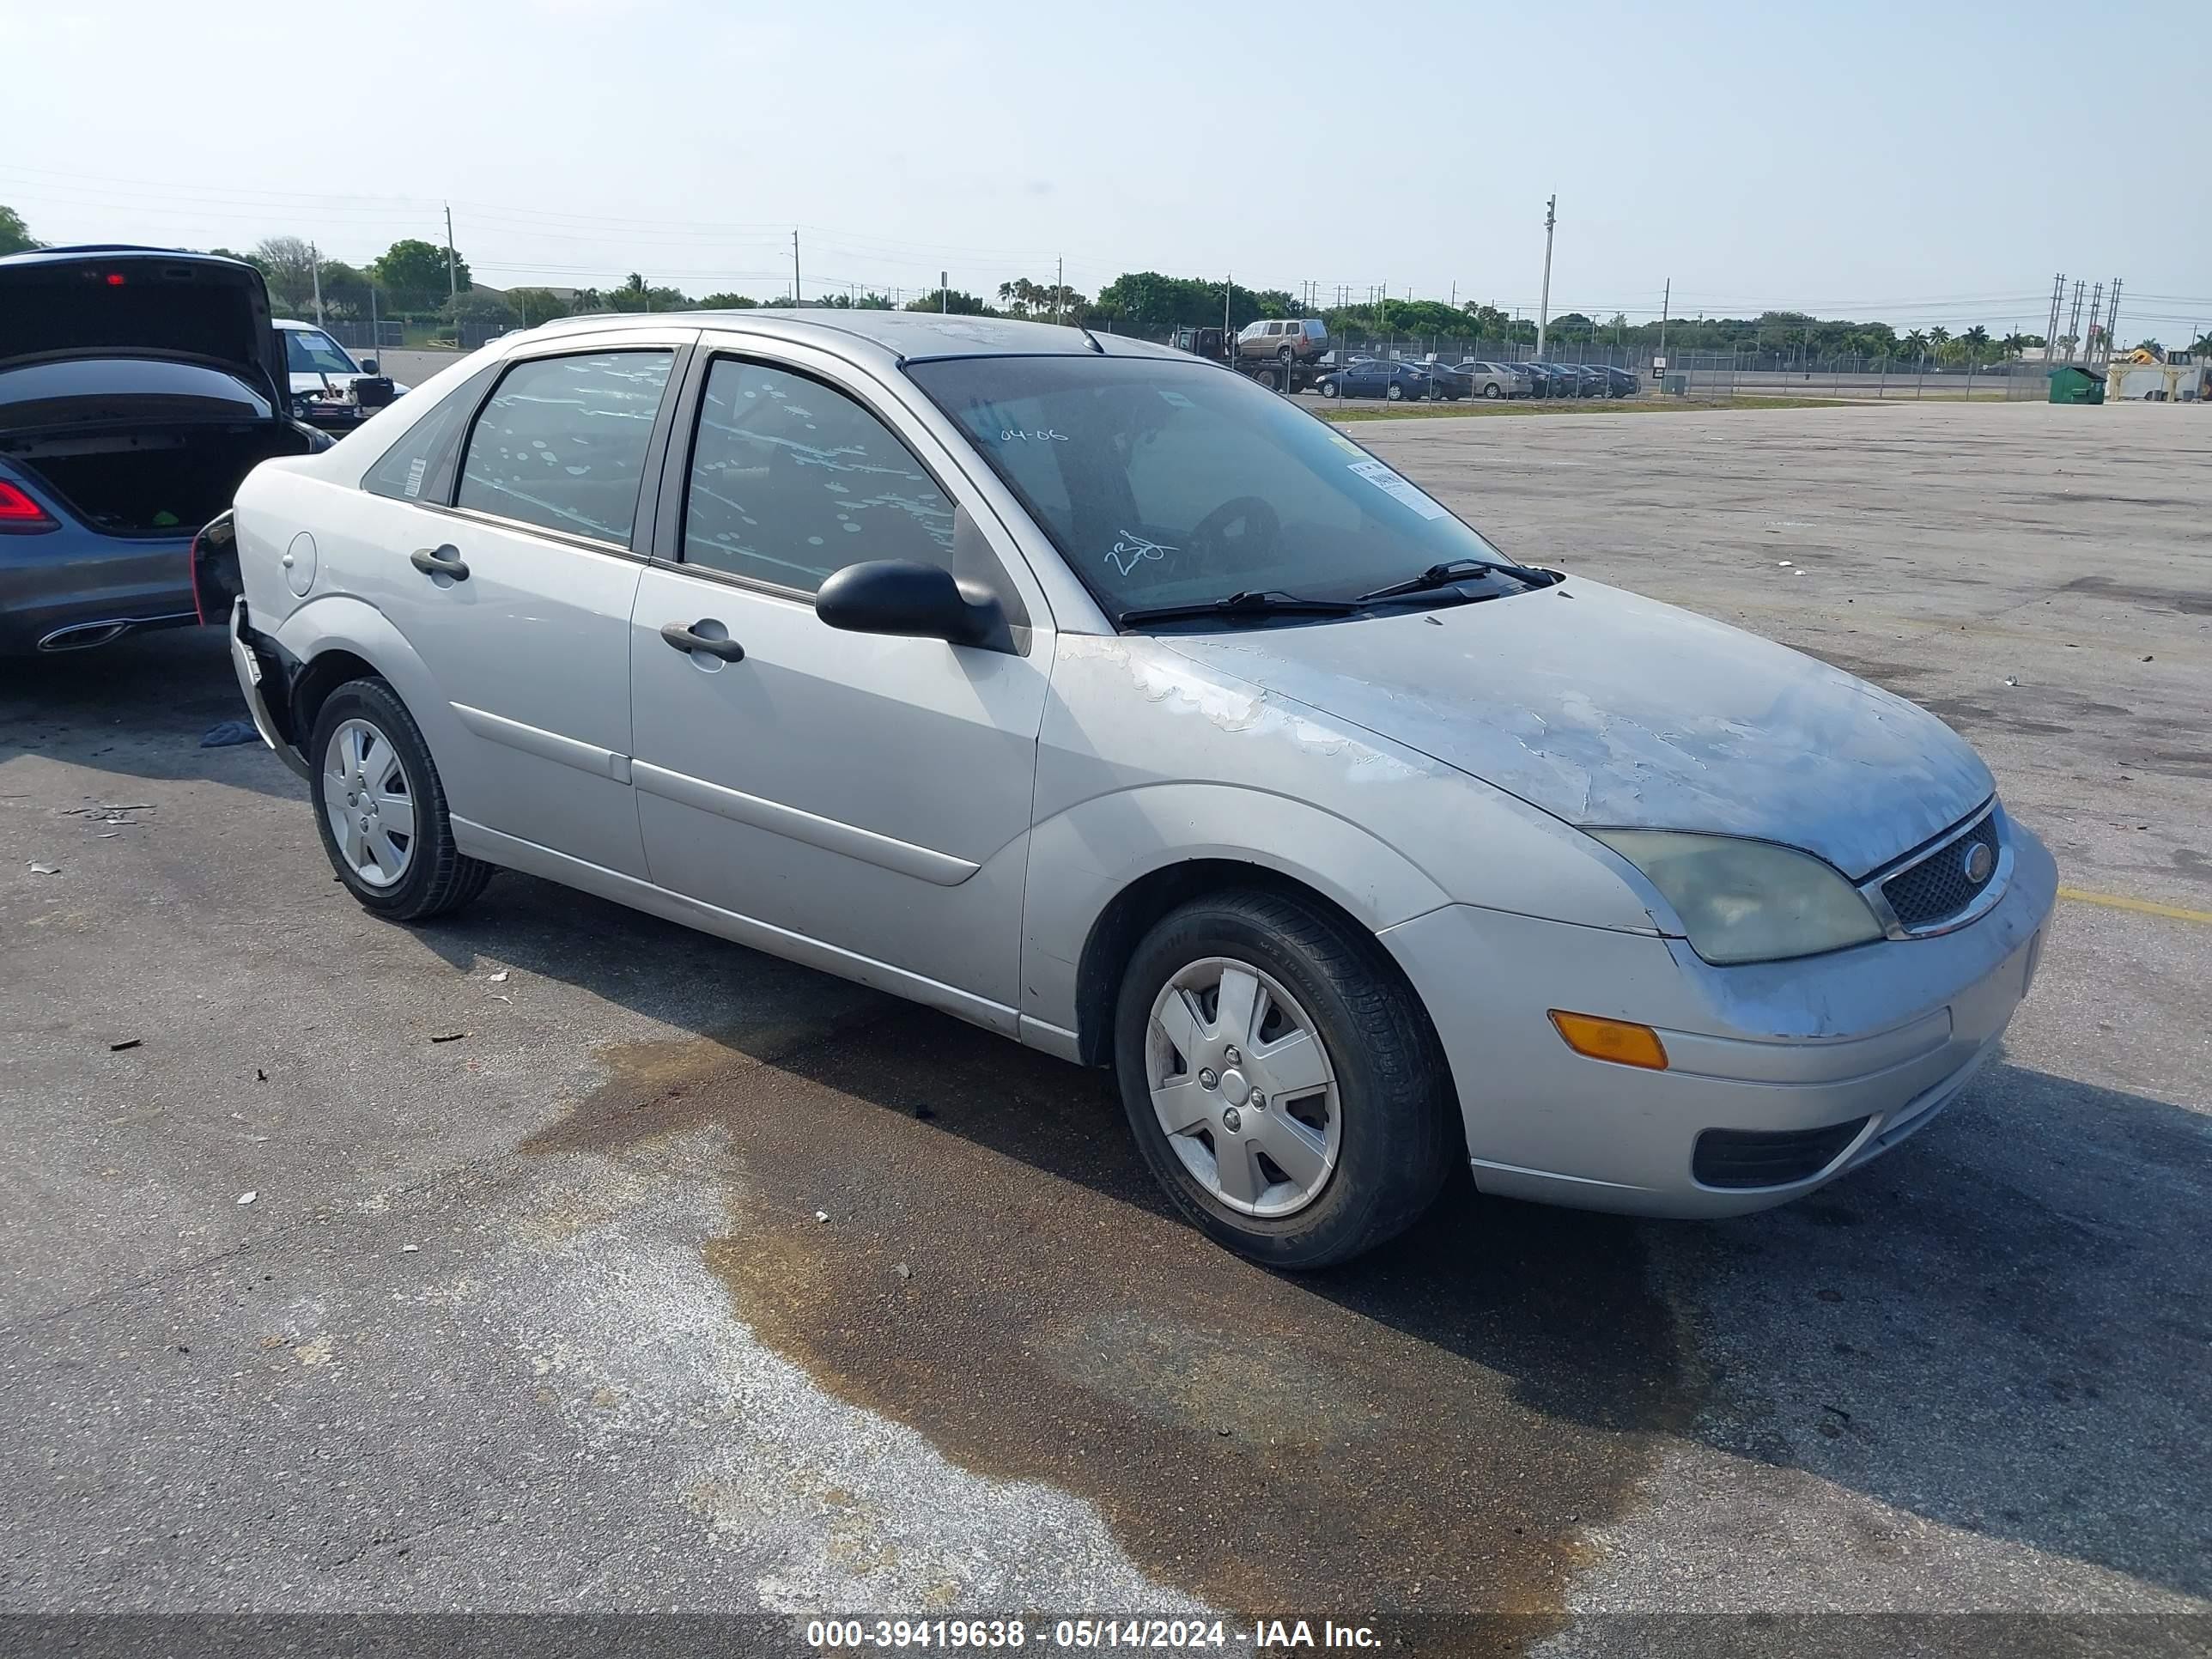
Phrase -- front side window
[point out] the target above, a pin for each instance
(562, 444)
(1165, 484)
(791, 480)
(311, 351)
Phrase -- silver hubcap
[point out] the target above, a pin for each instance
(1243, 1087)
(370, 803)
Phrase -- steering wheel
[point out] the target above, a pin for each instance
(1259, 523)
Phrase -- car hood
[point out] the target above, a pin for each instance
(1609, 710)
(116, 302)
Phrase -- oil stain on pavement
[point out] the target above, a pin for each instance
(1427, 1433)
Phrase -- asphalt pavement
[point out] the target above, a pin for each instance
(555, 1258)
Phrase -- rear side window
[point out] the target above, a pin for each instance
(792, 480)
(419, 465)
(562, 444)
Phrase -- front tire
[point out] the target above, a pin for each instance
(1396, 393)
(1329, 388)
(1283, 1082)
(1491, 389)
(380, 807)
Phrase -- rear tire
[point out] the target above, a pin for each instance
(1491, 389)
(1394, 393)
(1362, 1111)
(372, 773)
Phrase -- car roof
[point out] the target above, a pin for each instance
(904, 336)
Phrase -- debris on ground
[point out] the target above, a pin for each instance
(127, 1043)
(499, 978)
(39, 869)
(903, 1271)
(224, 733)
(822, 1215)
(409, 1250)
(450, 1036)
(247, 1197)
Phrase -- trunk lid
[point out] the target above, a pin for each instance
(63, 305)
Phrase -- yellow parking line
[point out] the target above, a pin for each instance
(2143, 906)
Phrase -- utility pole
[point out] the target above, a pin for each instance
(1544, 315)
(1666, 303)
(1059, 287)
(943, 292)
(2074, 321)
(452, 275)
(2096, 319)
(1227, 288)
(797, 297)
(315, 270)
(2113, 321)
(2051, 332)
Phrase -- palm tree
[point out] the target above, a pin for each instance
(1974, 339)
(1939, 337)
(1916, 343)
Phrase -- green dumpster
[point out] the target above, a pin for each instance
(2074, 385)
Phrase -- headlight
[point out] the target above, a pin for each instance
(1748, 901)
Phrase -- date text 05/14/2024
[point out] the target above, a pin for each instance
(1169, 1635)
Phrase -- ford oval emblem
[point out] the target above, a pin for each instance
(1978, 862)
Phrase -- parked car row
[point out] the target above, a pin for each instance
(1374, 377)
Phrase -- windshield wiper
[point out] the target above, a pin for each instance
(1244, 604)
(1453, 570)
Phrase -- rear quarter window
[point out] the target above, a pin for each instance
(419, 465)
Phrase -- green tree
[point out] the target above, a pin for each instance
(951, 299)
(249, 258)
(2203, 343)
(413, 272)
(1976, 340)
(536, 305)
(15, 236)
(636, 295)
(289, 263)
(728, 302)
(475, 305)
(1915, 343)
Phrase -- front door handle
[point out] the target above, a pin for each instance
(439, 561)
(680, 635)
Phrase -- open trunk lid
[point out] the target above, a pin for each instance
(62, 305)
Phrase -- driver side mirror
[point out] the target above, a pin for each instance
(917, 601)
(369, 365)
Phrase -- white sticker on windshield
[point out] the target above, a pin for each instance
(1174, 398)
(1392, 485)
(1129, 549)
(416, 468)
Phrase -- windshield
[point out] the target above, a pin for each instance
(308, 352)
(1165, 484)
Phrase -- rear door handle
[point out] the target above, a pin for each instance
(680, 635)
(444, 561)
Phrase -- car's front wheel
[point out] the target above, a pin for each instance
(1491, 389)
(1329, 388)
(1395, 393)
(1283, 1081)
(381, 807)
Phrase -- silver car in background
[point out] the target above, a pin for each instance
(1495, 379)
(1092, 695)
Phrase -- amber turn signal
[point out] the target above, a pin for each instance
(1615, 1040)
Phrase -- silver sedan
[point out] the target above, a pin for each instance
(1091, 694)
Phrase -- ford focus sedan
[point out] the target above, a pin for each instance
(1093, 695)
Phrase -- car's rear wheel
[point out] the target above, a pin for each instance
(1491, 389)
(1283, 1081)
(381, 808)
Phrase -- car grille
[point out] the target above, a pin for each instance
(1938, 887)
(1759, 1158)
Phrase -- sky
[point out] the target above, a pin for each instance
(1920, 164)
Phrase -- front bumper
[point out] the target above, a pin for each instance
(1889, 1033)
